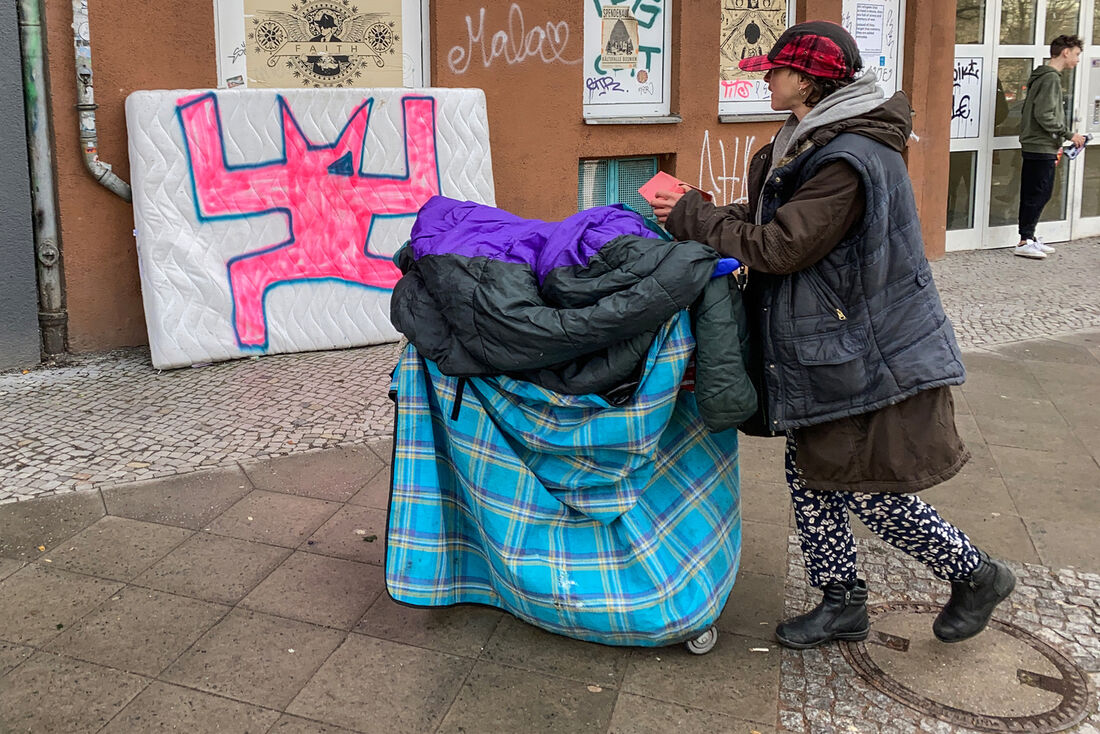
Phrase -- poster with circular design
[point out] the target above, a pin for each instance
(323, 43)
(749, 28)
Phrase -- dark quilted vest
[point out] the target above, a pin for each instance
(864, 327)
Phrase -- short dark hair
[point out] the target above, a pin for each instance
(820, 87)
(1061, 43)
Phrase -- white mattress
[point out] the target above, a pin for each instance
(255, 242)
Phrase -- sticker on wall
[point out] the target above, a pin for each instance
(323, 43)
(627, 58)
(266, 221)
(749, 28)
(620, 38)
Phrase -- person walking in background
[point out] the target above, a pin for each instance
(857, 355)
(1042, 130)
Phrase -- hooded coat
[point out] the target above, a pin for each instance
(855, 354)
(1043, 120)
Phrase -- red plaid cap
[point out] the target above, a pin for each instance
(819, 48)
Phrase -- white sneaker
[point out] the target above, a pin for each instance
(1044, 246)
(1030, 248)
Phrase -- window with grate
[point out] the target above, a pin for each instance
(603, 181)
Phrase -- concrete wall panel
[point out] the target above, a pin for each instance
(19, 341)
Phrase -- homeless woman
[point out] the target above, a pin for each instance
(857, 354)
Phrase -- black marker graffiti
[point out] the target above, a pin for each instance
(602, 84)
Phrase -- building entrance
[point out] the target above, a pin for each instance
(997, 44)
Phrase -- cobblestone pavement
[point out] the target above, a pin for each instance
(112, 418)
(994, 297)
(820, 691)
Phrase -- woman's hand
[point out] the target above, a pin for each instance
(664, 201)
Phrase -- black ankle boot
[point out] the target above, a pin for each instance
(972, 601)
(841, 615)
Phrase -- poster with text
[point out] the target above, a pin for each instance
(749, 28)
(627, 58)
(877, 27)
(323, 43)
(966, 97)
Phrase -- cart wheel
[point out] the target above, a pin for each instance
(704, 643)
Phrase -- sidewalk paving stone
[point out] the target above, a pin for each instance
(138, 630)
(166, 708)
(460, 630)
(213, 568)
(25, 528)
(517, 644)
(735, 678)
(273, 518)
(58, 694)
(353, 533)
(315, 474)
(400, 688)
(38, 602)
(115, 548)
(12, 655)
(187, 500)
(318, 589)
(297, 725)
(496, 699)
(256, 658)
(640, 715)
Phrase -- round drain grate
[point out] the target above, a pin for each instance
(1004, 680)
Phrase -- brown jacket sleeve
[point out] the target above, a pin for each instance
(803, 231)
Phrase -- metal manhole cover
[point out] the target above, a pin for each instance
(1003, 680)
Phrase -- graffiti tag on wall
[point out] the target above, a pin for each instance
(514, 44)
(966, 92)
(329, 203)
(723, 170)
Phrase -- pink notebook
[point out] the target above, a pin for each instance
(666, 182)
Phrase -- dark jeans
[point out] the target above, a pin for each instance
(1036, 186)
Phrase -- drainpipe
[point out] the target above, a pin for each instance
(86, 105)
(52, 317)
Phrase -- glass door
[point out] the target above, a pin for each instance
(1086, 202)
(998, 43)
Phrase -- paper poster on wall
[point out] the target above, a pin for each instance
(965, 98)
(749, 28)
(320, 43)
(326, 43)
(620, 38)
(230, 36)
(626, 58)
(877, 27)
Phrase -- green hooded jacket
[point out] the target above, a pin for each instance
(1043, 125)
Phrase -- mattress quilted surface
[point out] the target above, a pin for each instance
(266, 220)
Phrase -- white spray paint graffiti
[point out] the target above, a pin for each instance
(514, 43)
(727, 181)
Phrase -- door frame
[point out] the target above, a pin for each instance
(981, 235)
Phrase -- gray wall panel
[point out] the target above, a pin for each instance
(19, 341)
